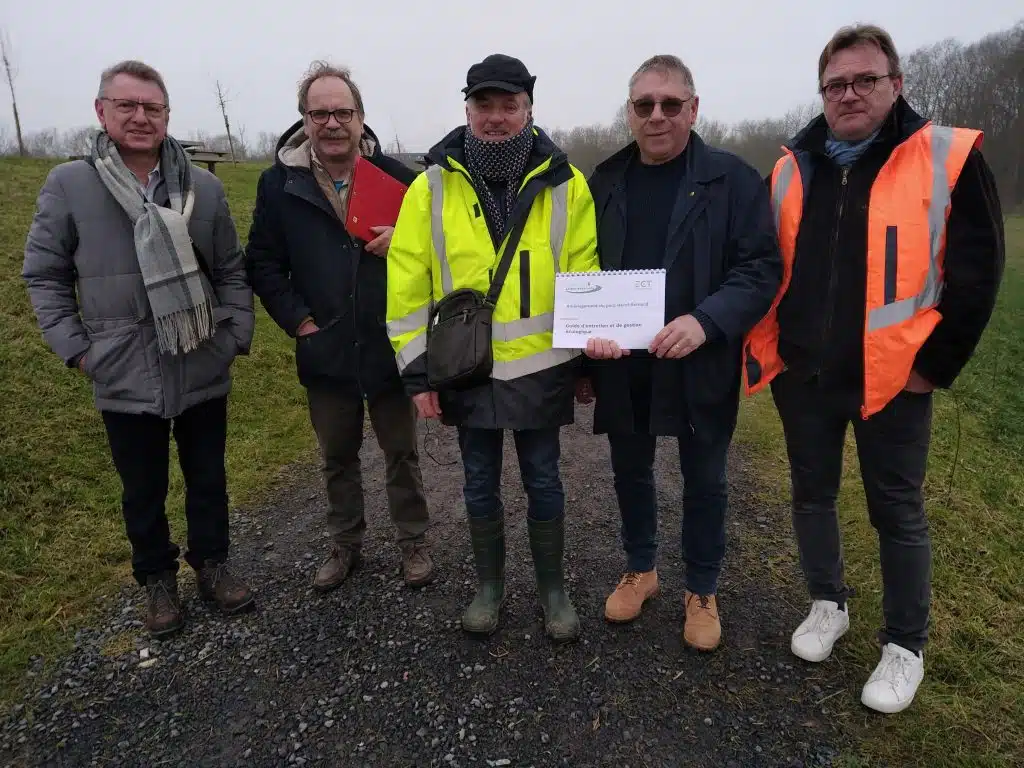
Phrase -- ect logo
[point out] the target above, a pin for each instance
(644, 284)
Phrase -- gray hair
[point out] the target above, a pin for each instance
(320, 69)
(664, 63)
(137, 69)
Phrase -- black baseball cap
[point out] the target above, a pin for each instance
(505, 73)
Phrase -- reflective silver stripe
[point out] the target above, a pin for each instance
(526, 326)
(411, 322)
(904, 309)
(514, 369)
(559, 219)
(782, 182)
(412, 350)
(559, 223)
(436, 186)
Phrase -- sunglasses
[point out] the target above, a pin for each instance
(670, 107)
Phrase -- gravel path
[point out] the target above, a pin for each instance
(375, 674)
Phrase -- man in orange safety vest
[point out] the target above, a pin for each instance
(892, 242)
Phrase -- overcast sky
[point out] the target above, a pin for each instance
(750, 59)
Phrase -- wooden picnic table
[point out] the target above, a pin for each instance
(209, 157)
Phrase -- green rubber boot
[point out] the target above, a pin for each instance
(547, 543)
(488, 537)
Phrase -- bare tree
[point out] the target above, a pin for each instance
(243, 143)
(78, 141)
(5, 49)
(266, 144)
(713, 132)
(221, 99)
(44, 143)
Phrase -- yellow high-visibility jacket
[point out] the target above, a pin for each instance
(442, 243)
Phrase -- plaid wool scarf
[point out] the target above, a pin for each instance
(181, 307)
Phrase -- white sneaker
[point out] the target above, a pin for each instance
(894, 682)
(814, 638)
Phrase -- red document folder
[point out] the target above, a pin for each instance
(374, 200)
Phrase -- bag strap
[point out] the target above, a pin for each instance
(498, 281)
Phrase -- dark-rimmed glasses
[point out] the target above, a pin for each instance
(128, 107)
(670, 107)
(323, 116)
(862, 86)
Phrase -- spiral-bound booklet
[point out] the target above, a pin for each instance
(625, 306)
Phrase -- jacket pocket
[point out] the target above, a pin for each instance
(210, 364)
(714, 372)
(327, 353)
(116, 363)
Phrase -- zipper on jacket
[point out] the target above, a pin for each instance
(830, 290)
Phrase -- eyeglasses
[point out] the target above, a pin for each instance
(128, 107)
(670, 107)
(862, 85)
(323, 116)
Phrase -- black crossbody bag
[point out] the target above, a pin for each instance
(459, 353)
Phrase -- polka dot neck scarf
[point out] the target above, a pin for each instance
(499, 161)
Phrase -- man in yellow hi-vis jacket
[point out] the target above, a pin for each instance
(450, 235)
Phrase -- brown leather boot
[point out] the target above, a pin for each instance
(634, 589)
(335, 569)
(703, 629)
(218, 585)
(164, 615)
(417, 567)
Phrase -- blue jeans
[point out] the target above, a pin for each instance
(702, 459)
(538, 451)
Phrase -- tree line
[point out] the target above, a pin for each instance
(978, 85)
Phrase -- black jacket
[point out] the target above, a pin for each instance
(302, 262)
(821, 317)
(722, 244)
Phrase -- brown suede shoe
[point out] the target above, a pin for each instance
(335, 568)
(218, 585)
(417, 567)
(703, 629)
(635, 588)
(164, 615)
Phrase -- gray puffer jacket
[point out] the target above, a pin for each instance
(87, 292)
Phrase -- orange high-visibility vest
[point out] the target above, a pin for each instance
(908, 208)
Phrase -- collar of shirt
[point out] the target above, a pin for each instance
(155, 177)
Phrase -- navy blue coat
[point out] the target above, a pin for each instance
(302, 262)
(722, 232)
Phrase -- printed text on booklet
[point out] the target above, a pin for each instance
(626, 306)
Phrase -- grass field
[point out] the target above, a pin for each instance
(970, 710)
(62, 539)
(62, 543)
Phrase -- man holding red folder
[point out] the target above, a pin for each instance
(327, 288)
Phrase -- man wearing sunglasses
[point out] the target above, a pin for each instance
(892, 241)
(670, 201)
(328, 290)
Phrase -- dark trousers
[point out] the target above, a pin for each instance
(337, 419)
(140, 447)
(538, 451)
(702, 461)
(892, 447)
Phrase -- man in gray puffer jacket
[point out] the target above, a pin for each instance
(137, 278)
